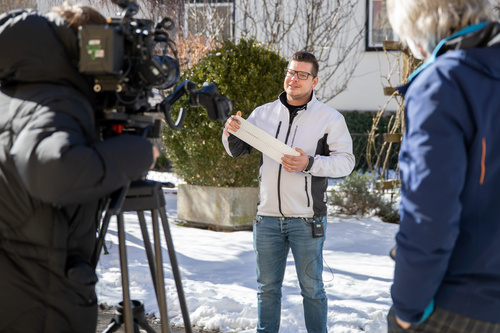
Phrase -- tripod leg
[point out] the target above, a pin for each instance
(127, 303)
(142, 322)
(115, 206)
(147, 247)
(160, 292)
(100, 241)
(153, 268)
(175, 271)
(113, 326)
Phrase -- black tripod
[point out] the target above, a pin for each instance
(140, 196)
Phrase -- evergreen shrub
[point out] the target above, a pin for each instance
(360, 124)
(362, 121)
(355, 195)
(250, 75)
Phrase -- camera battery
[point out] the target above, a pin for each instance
(101, 50)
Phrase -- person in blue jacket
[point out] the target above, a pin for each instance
(447, 273)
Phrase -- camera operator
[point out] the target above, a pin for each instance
(54, 172)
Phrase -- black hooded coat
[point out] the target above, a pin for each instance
(54, 170)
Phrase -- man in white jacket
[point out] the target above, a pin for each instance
(292, 203)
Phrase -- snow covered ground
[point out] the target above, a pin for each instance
(218, 274)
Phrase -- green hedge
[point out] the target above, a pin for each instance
(249, 74)
(360, 125)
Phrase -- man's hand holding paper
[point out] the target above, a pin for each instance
(293, 160)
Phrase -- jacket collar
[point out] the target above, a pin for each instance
(475, 36)
(282, 98)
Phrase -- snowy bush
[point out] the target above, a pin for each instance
(355, 195)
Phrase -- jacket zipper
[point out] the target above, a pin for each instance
(278, 130)
(294, 134)
(307, 194)
(279, 175)
(281, 166)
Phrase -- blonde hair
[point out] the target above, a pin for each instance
(78, 15)
(429, 21)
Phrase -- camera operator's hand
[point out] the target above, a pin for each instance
(156, 154)
(232, 123)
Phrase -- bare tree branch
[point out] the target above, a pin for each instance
(328, 29)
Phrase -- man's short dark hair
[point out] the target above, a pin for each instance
(304, 56)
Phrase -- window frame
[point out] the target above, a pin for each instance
(375, 10)
(209, 4)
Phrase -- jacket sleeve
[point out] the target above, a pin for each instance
(235, 146)
(433, 163)
(61, 163)
(334, 158)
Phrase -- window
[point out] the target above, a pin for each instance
(378, 27)
(210, 18)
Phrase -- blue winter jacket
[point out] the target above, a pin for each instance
(449, 238)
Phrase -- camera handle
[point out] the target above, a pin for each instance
(165, 105)
(139, 196)
(217, 107)
(130, 7)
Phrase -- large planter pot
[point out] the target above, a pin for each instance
(218, 208)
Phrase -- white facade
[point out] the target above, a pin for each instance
(365, 89)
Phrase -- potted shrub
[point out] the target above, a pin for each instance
(249, 74)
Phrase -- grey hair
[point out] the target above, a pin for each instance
(429, 21)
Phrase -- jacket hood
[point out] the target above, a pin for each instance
(478, 37)
(39, 48)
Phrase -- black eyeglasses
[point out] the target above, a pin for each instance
(301, 75)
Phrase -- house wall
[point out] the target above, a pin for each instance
(365, 90)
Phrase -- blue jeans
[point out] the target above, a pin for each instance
(273, 238)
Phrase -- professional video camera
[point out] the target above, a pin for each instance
(130, 57)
